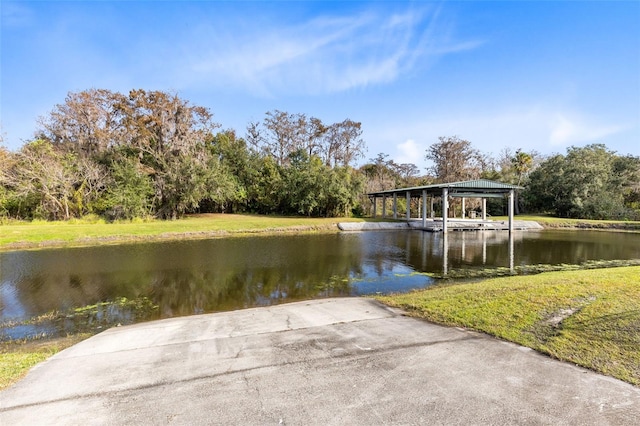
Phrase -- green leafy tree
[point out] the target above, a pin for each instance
(589, 182)
(232, 163)
(344, 186)
(130, 194)
(266, 187)
(626, 176)
(522, 164)
(305, 184)
(168, 135)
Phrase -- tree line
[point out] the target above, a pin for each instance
(151, 153)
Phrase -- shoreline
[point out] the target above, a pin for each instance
(203, 230)
(335, 225)
(166, 237)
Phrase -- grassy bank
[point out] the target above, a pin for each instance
(86, 232)
(23, 235)
(558, 222)
(17, 358)
(590, 318)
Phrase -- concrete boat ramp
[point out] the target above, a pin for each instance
(348, 361)
(435, 225)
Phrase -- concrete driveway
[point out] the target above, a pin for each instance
(335, 361)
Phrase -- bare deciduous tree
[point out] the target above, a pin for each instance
(282, 134)
(41, 175)
(454, 159)
(87, 123)
(343, 143)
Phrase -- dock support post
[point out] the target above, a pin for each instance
(384, 206)
(424, 208)
(375, 203)
(463, 212)
(408, 206)
(445, 253)
(445, 208)
(511, 197)
(511, 256)
(484, 209)
(395, 205)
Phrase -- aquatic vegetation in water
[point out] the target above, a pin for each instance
(334, 286)
(471, 273)
(90, 318)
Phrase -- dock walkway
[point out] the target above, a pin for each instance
(435, 225)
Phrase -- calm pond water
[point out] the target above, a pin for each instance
(192, 277)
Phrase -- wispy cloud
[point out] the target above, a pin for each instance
(274, 56)
(323, 55)
(567, 129)
(410, 152)
(535, 127)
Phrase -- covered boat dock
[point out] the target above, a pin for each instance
(479, 189)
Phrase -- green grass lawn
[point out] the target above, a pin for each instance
(590, 317)
(17, 358)
(19, 235)
(559, 222)
(85, 232)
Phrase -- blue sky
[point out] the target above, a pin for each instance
(533, 75)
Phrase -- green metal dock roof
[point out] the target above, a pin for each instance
(469, 188)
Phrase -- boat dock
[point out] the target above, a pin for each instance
(435, 225)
